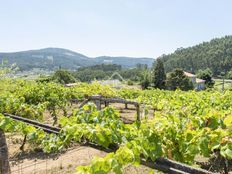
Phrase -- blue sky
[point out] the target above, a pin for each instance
(140, 28)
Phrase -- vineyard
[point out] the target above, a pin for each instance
(175, 125)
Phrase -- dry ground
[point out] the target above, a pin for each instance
(64, 163)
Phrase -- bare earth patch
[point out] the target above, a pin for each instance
(64, 163)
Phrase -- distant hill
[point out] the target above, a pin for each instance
(52, 58)
(215, 55)
(124, 61)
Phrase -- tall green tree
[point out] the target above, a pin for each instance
(63, 77)
(159, 75)
(229, 75)
(207, 76)
(178, 80)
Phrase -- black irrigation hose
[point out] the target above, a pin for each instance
(38, 125)
(181, 166)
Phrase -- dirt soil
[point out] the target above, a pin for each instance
(129, 115)
(36, 162)
(65, 163)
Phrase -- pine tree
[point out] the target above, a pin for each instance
(159, 75)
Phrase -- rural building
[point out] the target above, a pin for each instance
(71, 84)
(113, 81)
(198, 84)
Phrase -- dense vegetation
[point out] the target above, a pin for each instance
(104, 72)
(173, 80)
(153, 78)
(178, 80)
(98, 72)
(207, 76)
(63, 77)
(185, 124)
(215, 55)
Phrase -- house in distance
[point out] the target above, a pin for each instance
(198, 84)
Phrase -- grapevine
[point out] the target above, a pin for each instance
(184, 124)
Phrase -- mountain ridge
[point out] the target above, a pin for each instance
(51, 58)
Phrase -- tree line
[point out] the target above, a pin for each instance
(154, 77)
(215, 55)
(97, 72)
(173, 80)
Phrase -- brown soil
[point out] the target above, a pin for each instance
(65, 163)
(62, 163)
(129, 115)
(36, 162)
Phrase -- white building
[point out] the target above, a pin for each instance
(198, 84)
(112, 81)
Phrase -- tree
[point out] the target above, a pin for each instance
(63, 77)
(229, 75)
(141, 67)
(159, 75)
(177, 79)
(145, 81)
(207, 76)
(215, 55)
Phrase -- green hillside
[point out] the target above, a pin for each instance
(216, 55)
(53, 58)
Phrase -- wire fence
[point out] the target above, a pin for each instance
(39, 163)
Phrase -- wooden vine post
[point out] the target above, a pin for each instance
(4, 160)
(97, 101)
(98, 104)
(138, 112)
(126, 106)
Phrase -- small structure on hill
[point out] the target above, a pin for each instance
(198, 84)
(71, 84)
(116, 83)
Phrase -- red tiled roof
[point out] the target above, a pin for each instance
(189, 74)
